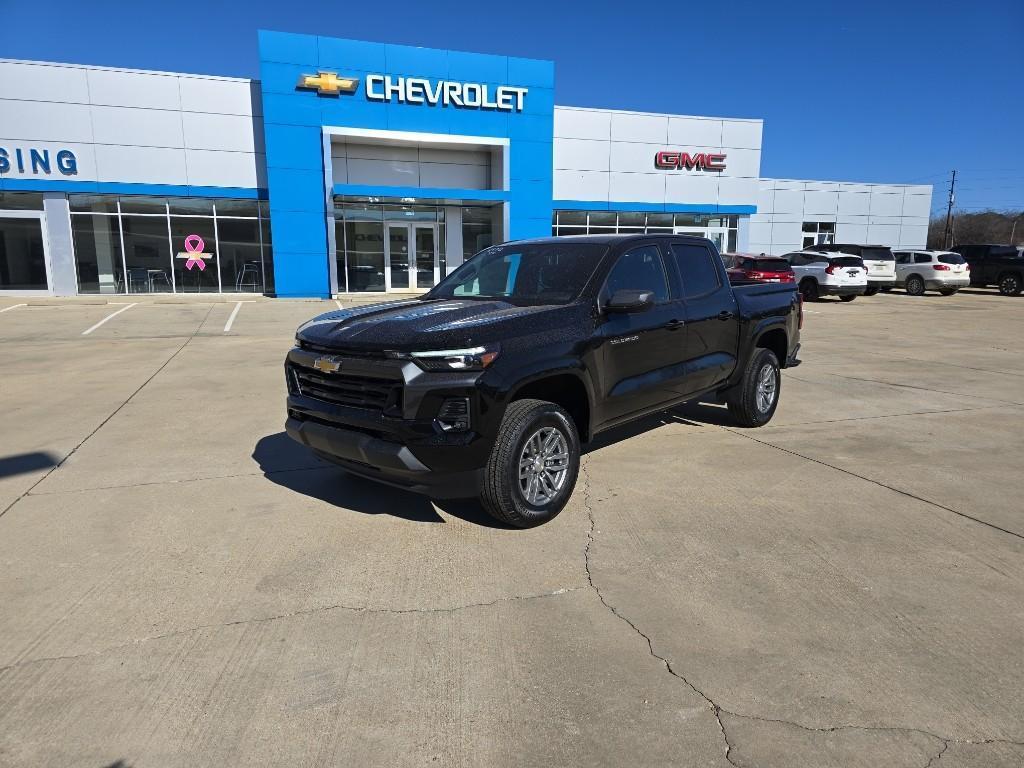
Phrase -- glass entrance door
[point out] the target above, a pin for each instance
(718, 236)
(411, 256)
(23, 264)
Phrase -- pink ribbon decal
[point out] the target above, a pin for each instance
(194, 246)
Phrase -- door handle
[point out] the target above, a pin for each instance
(725, 315)
(674, 325)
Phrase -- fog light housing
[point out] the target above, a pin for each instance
(453, 415)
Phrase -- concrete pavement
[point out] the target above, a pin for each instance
(182, 585)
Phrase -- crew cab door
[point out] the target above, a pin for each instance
(712, 326)
(641, 353)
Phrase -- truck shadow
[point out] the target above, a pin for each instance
(290, 465)
(694, 414)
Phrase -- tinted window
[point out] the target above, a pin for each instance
(772, 265)
(951, 258)
(697, 269)
(640, 269)
(846, 261)
(902, 258)
(1004, 250)
(874, 254)
(922, 258)
(535, 273)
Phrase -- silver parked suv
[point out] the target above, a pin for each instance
(918, 271)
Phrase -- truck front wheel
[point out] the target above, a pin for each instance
(752, 402)
(533, 466)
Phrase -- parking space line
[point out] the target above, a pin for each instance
(112, 315)
(15, 306)
(231, 319)
(339, 304)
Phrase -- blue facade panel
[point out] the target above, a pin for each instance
(294, 120)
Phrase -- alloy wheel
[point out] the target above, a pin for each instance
(543, 466)
(767, 385)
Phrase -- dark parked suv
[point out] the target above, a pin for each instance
(488, 384)
(1001, 265)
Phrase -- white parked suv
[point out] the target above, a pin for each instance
(878, 261)
(828, 274)
(942, 271)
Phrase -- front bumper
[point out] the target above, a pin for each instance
(381, 460)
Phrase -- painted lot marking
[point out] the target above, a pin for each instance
(231, 319)
(339, 304)
(14, 306)
(112, 315)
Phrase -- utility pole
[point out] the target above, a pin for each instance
(949, 214)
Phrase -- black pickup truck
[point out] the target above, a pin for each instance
(1001, 265)
(487, 385)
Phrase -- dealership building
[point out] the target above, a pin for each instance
(354, 167)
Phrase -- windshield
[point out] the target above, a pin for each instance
(877, 254)
(532, 273)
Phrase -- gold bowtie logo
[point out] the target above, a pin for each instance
(328, 83)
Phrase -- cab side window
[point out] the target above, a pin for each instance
(697, 269)
(640, 269)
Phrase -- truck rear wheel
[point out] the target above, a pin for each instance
(533, 466)
(752, 402)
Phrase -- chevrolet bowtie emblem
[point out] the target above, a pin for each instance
(328, 83)
(327, 364)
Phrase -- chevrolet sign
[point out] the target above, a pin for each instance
(419, 90)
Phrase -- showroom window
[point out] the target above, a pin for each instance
(141, 244)
(722, 230)
(818, 233)
(22, 253)
(477, 231)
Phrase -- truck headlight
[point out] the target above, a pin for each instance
(472, 359)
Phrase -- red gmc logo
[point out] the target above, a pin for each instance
(701, 161)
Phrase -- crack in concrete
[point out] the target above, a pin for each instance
(291, 615)
(718, 710)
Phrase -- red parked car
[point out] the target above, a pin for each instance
(746, 267)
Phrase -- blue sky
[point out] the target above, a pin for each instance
(858, 91)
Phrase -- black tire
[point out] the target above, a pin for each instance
(872, 291)
(502, 495)
(809, 289)
(743, 398)
(1010, 284)
(948, 291)
(849, 297)
(915, 286)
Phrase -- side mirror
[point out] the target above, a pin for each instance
(630, 300)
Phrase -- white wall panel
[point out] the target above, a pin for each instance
(742, 162)
(852, 233)
(44, 121)
(917, 205)
(883, 234)
(339, 170)
(231, 133)
(582, 124)
(765, 197)
(760, 231)
(378, 152)
(139, 127)
(581, 154)
(637, 187)
(133, 89)
(627, 126)
(854, 203)
(736, 191)
(581, 185)
(694, 131)
(43, 81)
(691, 189)
(820, 203)
(629, 157)
(208, 168)
(913, 235)
(742, 134)
(886, 204)
(788, 201)
(142, 165)
(228, 97)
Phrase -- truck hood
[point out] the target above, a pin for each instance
(428, 324)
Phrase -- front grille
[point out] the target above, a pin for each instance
(371, 354)
(344, 389)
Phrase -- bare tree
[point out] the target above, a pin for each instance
(981, 227)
